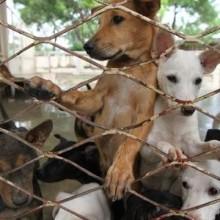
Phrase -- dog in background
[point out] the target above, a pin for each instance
(92, 206)
(15, 154)
(180, 74)
(87, 156)
(116, 101)
(5, 72)
(199, 188)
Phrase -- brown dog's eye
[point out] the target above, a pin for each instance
(212, 191)
(185, 185)
(172, 78)
(117, 19)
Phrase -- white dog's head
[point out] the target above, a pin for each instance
(198, 189)
(181, 72)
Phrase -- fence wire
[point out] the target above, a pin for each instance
(50, 40)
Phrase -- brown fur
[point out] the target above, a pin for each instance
(117, 101)
(4, 72)
(14, 154)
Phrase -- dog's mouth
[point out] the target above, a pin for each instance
(187, 111)
(101, 56)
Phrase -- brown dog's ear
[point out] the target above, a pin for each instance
(210, 59)
(162, 42)
(95, 9)
(39, 134)
(148, 8)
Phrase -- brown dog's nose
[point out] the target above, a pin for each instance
(187, 110)
(89, 46)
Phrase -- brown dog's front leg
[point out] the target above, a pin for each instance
(120, 175)
(85, 102)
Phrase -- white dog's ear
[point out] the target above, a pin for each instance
(210, 59)
(163, 42)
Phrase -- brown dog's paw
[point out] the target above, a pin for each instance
(118, 180)
(176, 154)
(42, 89)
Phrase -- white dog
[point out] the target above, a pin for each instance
(198, 189)
(93, 206)
(180, 75)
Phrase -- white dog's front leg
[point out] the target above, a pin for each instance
(173, 153)
(208, 150)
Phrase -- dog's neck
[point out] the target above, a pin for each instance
(174, 120)
(126, 61)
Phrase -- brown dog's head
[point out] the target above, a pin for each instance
(120, 33)
(15, 154)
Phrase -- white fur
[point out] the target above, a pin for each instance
(93, 206)
(197, 192)
(174, 130)
(216, 123)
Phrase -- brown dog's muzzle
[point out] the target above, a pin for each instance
(94, 50)
(89, 47)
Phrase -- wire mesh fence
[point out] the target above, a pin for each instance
(106, 131)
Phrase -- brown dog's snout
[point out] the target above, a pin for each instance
(187, 110)
(19, 198)
(89, 46)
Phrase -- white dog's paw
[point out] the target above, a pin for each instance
(213, 144)
(176, 154)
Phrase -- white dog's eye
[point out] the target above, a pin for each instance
(198, 81)
(172, 78)
(185, 185)
(212, 191)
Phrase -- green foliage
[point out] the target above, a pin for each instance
(202, 12)
(58, 13)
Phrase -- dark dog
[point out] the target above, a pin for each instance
(213, 134)
(138, 209)
(87, 156)
(14, 154)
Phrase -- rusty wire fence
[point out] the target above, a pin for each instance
(106, 131)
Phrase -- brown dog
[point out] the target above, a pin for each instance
(116, 101)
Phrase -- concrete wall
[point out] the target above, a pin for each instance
(3, 32)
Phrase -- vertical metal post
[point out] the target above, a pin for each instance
(3, 32)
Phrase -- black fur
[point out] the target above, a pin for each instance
(213, 134)
(86, 156)
(138, 209)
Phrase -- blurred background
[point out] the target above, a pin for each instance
(46, 17)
